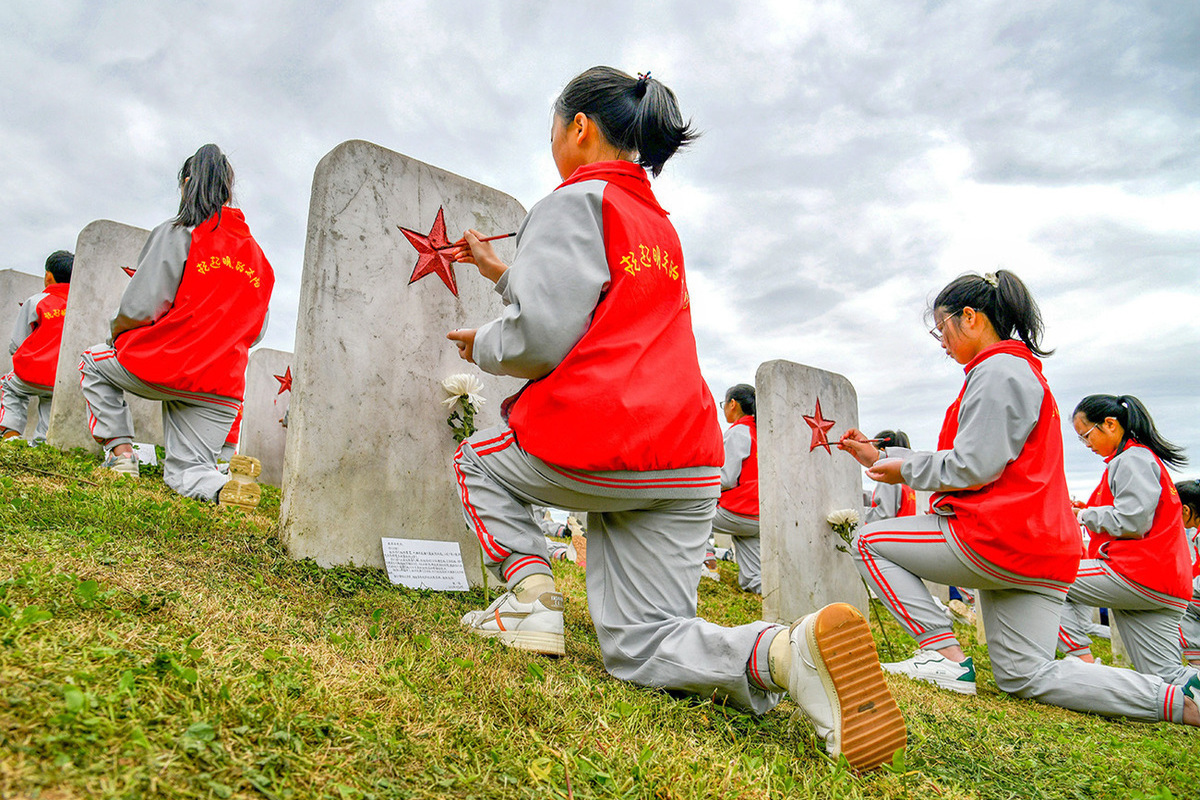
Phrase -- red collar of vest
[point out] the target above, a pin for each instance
(229, 218)
(1128, 444)
(629, 176)
(747, 419)
(58, 289)
(1012, 347)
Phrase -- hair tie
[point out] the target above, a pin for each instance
(642, 81)
(991, 280)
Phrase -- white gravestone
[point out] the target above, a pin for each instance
(97, 283)
(369, 454)
(267, 397)
(802, 569)
(15, 288)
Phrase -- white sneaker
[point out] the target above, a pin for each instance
(122, 465)
(536, 626)
(961, 612)
(933, 667)
(835, 679)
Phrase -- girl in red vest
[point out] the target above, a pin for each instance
(1189, 628)
(597, 318)
(194, 306)
(1138, 563)
(737, 509)
(36, 337)
(1002, 520)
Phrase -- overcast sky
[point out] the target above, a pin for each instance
(856, 157)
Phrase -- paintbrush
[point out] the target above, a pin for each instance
(462, 242)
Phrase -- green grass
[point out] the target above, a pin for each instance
(152, 646)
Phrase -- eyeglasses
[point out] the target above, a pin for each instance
(936, 330)
(1083, 437)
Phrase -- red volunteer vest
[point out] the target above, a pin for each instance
(743, 498)
(1022, 521)
(908, 501)
(1159, 560)
(629, 395)
(36, 360)
(202, 343)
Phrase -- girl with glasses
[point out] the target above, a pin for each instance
(1002, 520)
(1189, 628)
(1137, 564)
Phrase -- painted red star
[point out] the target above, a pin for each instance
(129, 271)
(820, 429)
(285, 381)
(430, 259)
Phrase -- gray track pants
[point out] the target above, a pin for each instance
(15, 396)
(194, 425)
(1079, 617)
(1021, 622)
(744, 532)
(642, 553)
(1147, 620)
(1189, 632)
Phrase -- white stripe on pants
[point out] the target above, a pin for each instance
(641, 567)
(15, 397)
(1147, 620)
(194, 425)
(744, 532)
(1021, 623)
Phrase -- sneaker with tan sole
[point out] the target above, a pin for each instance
(536, 626)
(836, 680)
(242, 491)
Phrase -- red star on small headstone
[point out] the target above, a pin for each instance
(431, 259)
(285, 381)
(820, 429)
(129, 271)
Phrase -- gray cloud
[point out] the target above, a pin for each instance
(856, 156)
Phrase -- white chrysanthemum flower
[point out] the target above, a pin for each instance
(846, 516)
(463, 384)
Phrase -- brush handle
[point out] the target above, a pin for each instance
(461, 242)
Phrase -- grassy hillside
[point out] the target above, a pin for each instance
(157, 647)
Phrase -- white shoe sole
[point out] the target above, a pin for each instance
(544, 642)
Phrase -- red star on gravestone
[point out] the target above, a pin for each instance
(820, 429)
(129, 271)
(285, 381)
(431, 259)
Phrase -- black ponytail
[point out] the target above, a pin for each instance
(206, 179)
(635, 114)
(1004, 299)
(1135, 420)
(892, 439)
(744, 394)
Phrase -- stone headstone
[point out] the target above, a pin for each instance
(15, 288)
(97, 283)
(267, 398)
(369, 451)
(1120, 656)
(798, 488)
